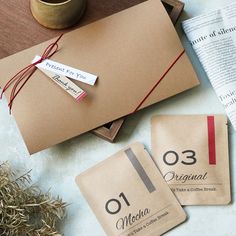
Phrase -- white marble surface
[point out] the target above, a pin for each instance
(57, 167)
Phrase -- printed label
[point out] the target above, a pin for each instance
(66, 84)
(64, 70)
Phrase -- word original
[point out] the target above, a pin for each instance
(171, 175)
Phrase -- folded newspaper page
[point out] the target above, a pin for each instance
(213, 37)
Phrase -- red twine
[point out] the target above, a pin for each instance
(21, 78)
(25, 74)
(159, 81)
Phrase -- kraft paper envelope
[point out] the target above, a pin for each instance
(129, 51)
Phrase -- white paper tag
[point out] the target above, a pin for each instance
(61, 69)
(66, 84)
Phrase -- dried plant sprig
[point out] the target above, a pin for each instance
(24, 209)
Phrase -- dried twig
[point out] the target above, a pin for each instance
(24, 209)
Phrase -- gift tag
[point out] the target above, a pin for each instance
(66, 84)
(192, 154)
(129, 196)
(65, 70)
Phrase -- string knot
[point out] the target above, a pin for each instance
(21, 78)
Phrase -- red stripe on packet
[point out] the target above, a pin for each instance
(211, 140)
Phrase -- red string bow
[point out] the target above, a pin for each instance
(21, 78)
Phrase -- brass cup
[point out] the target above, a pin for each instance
(57, 14)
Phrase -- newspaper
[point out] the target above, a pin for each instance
(213, 37)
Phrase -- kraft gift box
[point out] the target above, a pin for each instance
(132, 52)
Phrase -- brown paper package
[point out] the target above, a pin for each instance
(193, 157)
(129, 196)
(129, 51)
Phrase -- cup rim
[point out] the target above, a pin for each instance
(55, 4)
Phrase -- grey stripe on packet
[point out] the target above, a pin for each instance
(140, 170)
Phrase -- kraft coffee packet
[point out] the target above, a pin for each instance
(129, 196)
(191, 151)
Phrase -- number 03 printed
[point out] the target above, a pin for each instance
(187, 157)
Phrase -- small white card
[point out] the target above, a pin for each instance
(64, 70)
